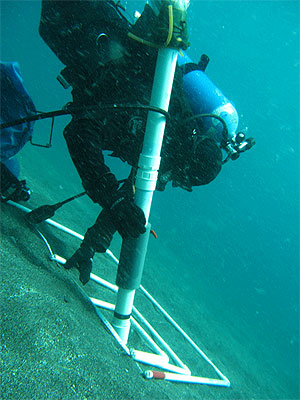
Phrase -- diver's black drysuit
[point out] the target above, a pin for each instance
(85, 35)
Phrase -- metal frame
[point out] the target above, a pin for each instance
(176, 371)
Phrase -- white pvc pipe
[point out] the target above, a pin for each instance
(183, 333)
(149, 358)
(102, 304)
(162, 342)
(103, 282)
(49, 221)
(169, 376)
(149, 160)
(123, 307)
(114, 288)
(148, 338)
(156, 361)
(61, 227)
(136, 325)
(112, 331)
(111, 255)
(148, 166)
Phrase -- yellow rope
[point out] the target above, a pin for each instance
(170, 32)
(143, 41)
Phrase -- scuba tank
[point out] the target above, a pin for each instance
(206, 98)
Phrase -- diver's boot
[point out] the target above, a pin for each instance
(11, 187)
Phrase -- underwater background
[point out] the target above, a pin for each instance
(233, 244)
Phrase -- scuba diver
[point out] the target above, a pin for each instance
(15, 103)
(110, 63)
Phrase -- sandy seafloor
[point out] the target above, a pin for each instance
(54, 345)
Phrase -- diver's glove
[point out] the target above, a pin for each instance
(97, 239)
(128, 218)
(82, 259)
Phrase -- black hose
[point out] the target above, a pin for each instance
(46, 211)
(71, 111)
(35, 117)
(225, 129)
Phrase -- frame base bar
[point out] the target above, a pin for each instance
(169, 376)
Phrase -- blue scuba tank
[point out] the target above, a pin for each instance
(206, 98)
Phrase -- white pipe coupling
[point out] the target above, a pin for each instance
(149, 162)
(146, 180)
